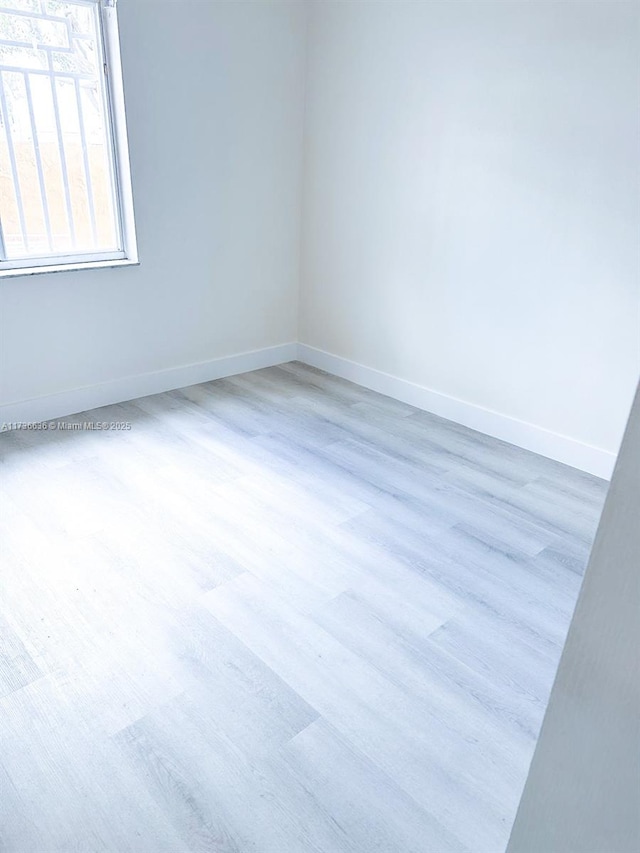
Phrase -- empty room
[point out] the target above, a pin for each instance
(319, 426)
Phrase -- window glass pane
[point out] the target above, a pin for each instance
(33, 30)
(24, 151)
(57, 191)
(22, 5)
(100, 166)
(77, 61)
(22, 57)
(79, 17)
(52, 168)
(8, 204)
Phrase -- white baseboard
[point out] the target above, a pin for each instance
(530, 437)
(525, 435)
(142, 385)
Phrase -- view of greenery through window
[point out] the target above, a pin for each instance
(56, 180)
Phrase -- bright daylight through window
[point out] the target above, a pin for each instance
(65, 189)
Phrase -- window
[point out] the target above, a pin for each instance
(65, 186)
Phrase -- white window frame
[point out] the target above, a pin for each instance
(112, 64)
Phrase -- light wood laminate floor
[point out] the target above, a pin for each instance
(280, 614)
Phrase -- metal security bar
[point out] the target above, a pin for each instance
(58, 192)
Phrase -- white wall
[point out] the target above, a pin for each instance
(471, 203)
(470, 218)
(214, 94)
(583, 789)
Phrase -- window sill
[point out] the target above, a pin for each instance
(76, 265)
